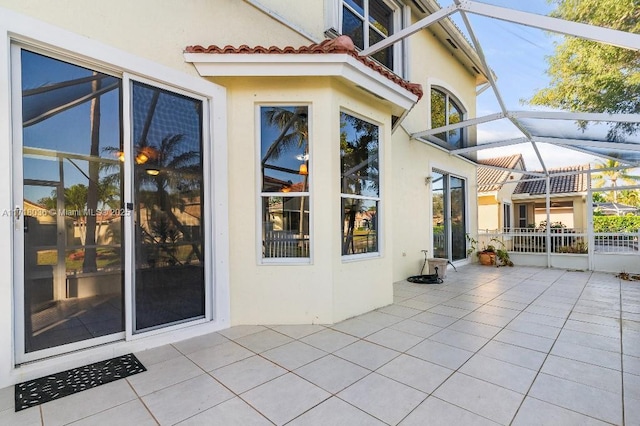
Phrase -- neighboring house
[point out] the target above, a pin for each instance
(567, 194)
(496, 186)
(224, 130)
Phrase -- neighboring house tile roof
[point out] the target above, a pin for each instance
(342, 44)
(488, 178)
(558, 184)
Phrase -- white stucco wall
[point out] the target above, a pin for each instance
(159, 30)
(430, 64)
(327, 288)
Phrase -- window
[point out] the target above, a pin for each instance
(367, 22)
(445, 111)
(360, 185)
(449, 216)
(284, 167)
(522, 216)
(506, 217)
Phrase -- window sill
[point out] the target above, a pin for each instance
(358, 257)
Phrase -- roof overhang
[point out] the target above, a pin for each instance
(519, 197)
(454, 40)
(340, 65)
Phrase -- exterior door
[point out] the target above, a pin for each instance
(109, 201)
(168, 193)
(68, 213)
(448, 216)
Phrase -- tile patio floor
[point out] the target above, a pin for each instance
(516, 346)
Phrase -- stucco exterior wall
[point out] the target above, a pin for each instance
(329, 288)
(489, 216)
(297, 13)
(159, 30)
(413, 162)
(430, 64)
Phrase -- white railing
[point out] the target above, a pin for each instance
(285, 244)
(560, 240)
(535, 240)
(616, 242)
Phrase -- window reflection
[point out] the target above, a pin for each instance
(445, 111)
(169, 193)
(285, 169)
(360, 184)
(449, 216)
(72, 201)
(367, 22)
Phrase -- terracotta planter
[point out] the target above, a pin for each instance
(487, 258)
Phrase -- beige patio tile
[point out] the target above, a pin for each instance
(383, 398)
(482, 398)
(285, 398)
(335, 412)
(587, 400)
(436, 412)
(329, 340)
(331, 373)
(535, 413)
(233, 412)
(185, 399)
(419, 374)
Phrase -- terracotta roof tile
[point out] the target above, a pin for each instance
(342, 44)
(558, 184)
(488, 178)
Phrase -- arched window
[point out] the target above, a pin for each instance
(446, 110)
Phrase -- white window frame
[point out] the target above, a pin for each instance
(521, 217)
(378, 199)
(20, 30)
(507, 216)
(398, 20)
(261, 195)
(449, 97)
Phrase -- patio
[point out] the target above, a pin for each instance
(518, 346)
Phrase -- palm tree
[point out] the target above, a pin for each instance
(359, 172)
(611, 176)
(294, 132)
(178, 174)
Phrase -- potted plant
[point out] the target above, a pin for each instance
(489, 254)
(486, 255)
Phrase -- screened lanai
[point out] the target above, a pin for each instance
(510, 46)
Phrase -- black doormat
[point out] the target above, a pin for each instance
(45, 389)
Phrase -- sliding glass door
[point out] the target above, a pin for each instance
(448, 216)
(70, 200)
(168, 193)
(80, 241)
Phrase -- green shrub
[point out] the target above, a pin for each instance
(616, 223)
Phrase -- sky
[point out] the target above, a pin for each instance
(516, 54)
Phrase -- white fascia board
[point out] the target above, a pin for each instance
(302, 65)
(532, 197)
